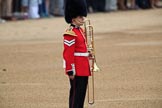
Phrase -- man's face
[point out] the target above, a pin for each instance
(79, 21)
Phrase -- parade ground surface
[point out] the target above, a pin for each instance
(128, 48)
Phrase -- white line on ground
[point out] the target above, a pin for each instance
(140, 43)
(128, 99)
(22, 84)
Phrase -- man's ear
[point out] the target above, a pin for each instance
(73, 20)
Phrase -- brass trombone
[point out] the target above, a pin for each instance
(93, 65)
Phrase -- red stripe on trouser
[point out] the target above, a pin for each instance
(73, 98)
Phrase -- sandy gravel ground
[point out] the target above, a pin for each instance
(128, 50)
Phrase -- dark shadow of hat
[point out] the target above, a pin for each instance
(74, 8)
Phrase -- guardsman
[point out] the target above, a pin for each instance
(75, 54)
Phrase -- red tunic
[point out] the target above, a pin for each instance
(75, 42)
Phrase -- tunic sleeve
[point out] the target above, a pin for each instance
(68, 53)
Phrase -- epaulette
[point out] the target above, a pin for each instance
(70, 32)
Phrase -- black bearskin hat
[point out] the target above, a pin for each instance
(74, 8)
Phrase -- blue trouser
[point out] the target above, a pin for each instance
(57, 7)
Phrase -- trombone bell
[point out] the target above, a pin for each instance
(95, 68)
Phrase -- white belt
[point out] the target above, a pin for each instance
(81, 54)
